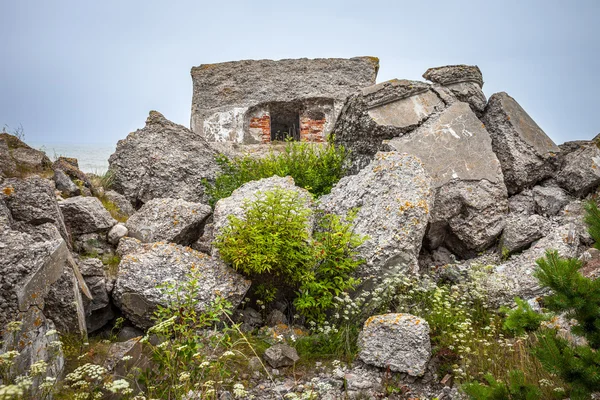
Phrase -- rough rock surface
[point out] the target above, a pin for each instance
(394, 196)
(97, 310)
(70, 166)
(248, 192)
(168, 220)
(32, 202)
(120, 201)
(526, 153)
(162, 160)
(85, 215)
(470, 196)
(399, 342)
(144, 266)
(281, 355)
(116, 233)
(463, 81)
(64, 303)
(382, 112)
(223, 92)
(580, 168)
(549, 200)
(65, 184)
(18, 159)
(521, 230)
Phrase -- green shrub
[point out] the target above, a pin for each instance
(273, 247)
(515, 389)
(314, 167)
(523, 318)
(592, 219)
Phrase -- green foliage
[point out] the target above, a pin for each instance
(523, 318)
(515, 389)
(336, 259)
(314, 167)
(338, 344)
(592, 219)
(273, 247)
(579, 297)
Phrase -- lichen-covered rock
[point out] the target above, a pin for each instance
(17, 159)
(162, 160)
(145, 266)
(248, 192)
(526, 153)
(64, 303)
(464, 82)
(521, 230)
(85, 215)
(70, 166)
(168, 220)
(116, 233)
(580, 167)
(549, 200)
(522, 203)
(32, 202)
(120, 201)
(382, 112)
(6, 220)
(65, 184)
(470, 196)
(394, 197)
(399, 342)
(281, 355)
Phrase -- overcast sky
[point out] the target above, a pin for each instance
(89, 71)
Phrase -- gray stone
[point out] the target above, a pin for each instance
(162, 160)
(464, 81)
(580, 169)
(32, 202)
(248, 192)
(394, 197)
(129, 332)
(168, 220)
(399, 342)
(145, 266)
(122, 356)
(6, 220)
(526, 153)
(549, 200)
(28, 268)
(64, 304)
(521, 230)
(281, 355)
(36, 340)
(275, 318)
(91, 267)
(17, 159)
(522, 203)
(85, 215)
(116, 233)
(65, 184)
(120, 201)
(515, 276)
(226, 96)
(470, 196)
(249, 318)
(382, 112)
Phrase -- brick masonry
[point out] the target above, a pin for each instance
(264, 124)
(312, 130)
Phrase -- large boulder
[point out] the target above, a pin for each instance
(32, 202)
(86, 215)
(470, 196)
(399, 342)
(394, 197)
(121, 202)
(521, 231)
(168, 220)
(17, 159)
(526, 153)
(248, 192)
(65, 185)
(463, 81)
(580, 167)
(144, 267)
(383, 111)
(98, 309)
(162, 160)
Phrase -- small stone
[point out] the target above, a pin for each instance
(281, 355)
(116, 233)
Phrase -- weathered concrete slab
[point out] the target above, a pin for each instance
(406, 112)
(580, 168)
(225, 93)
(463, 81)
(454, 146)
(525, 152)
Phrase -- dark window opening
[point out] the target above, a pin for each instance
(285, 121)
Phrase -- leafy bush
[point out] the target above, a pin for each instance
(273, 247)
(314, 167)
(523, 318)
